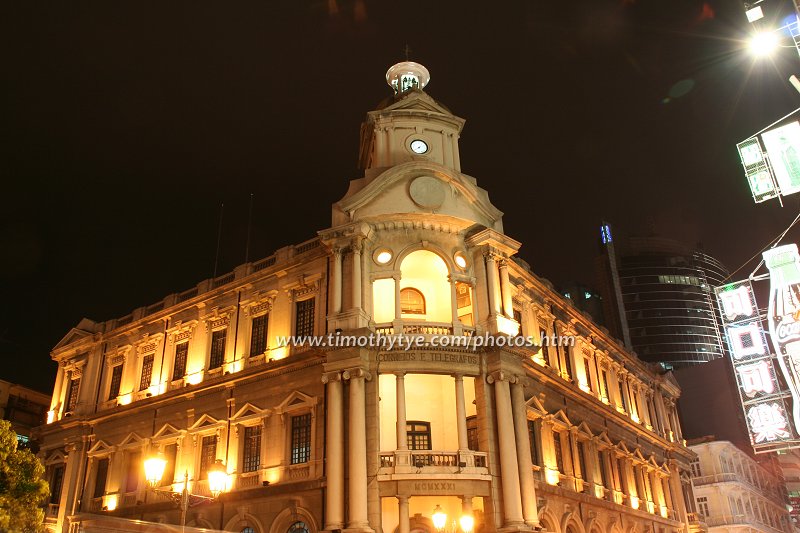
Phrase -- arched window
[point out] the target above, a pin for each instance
(412, 302)
(248, 529)
(298, 527)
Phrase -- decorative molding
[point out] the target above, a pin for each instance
(181, 332)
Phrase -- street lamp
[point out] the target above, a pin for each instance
(763, 43)
(467, 523)
(439, 519)
(217, 478)
(217, 482)
(154, 470)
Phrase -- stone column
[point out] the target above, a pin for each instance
(509, 468)
(334, 492)
(530, 512)
(398, 310)
(357, 486)
(357, 274)
(676, 491)
(58, 392)
(405, 524)
(337, 280)
(454, 307)
(402, 426)
(505, 290)
(461, 414)
(492, 282)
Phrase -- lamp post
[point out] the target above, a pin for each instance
(439, 519)
(217, 482)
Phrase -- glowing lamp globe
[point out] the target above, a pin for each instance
(384, 257)
(217, 478)
(439, 518)
(154, 470)
(763, 44)
(467, 523)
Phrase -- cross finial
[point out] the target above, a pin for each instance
(407, 51)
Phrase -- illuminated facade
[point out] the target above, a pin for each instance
(577, 437)
(736, 494)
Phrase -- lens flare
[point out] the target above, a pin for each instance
(763, 44)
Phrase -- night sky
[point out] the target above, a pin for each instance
(125, 125)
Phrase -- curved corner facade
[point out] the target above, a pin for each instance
(568, 433)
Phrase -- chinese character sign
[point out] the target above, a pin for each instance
(758, 172)
(753, 364)
(783, 147)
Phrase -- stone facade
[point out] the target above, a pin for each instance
(575, 437)
(737, 494)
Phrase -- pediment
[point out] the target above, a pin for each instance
(422, 188)
(584, 429)
(536, 406)
(249, 410)
(204, 422)
(100, 447)
(418, 101)
(603, 439)
(56, 457)
(167, 431)
(561, 416)
(132, 438)
(74, 335)
(637, 454)
(294, 400)
(624, 447)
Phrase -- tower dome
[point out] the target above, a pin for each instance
(407, 75)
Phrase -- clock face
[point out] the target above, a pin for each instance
(419, 146)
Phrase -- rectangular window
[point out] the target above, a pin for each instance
(622, 395)
(604, 384)
(147, 371)
(543, 340)
(72, 394)
(603, 473)
(181, 354)
(532, 439)
(588, 372)
(132, 473)
(304, 319)
(518, 318)
(567, 362)
(101, 477)
(702, 506)
(301, 439)
(695, 465)
(472, 433)
(419, 435)
(582, 460)
(251, 459)
(558, 451)
(171, 456)
(116, 381)
(56, 483)
(217, 348)
(258, 337)
(208, 454)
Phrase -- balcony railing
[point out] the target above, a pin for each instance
(421, 459)
(427, 328)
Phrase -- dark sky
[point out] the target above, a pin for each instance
(124, 125)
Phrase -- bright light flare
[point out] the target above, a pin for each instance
(763, 44)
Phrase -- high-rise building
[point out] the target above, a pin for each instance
(465, 426)
(660, 296)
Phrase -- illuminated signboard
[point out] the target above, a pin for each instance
(763, 400)
(783, 147)
(757, 170)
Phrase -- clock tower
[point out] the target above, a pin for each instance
(410, 125)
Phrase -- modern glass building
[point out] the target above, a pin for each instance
(667, 293)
